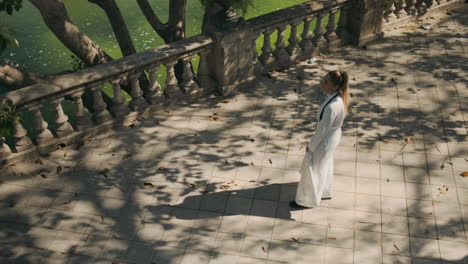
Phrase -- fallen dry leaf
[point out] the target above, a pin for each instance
(59, 169)
(67, 202)
(294, 239)
(385, 140)
(44, 175)
(225, 187)
(191, 185)
(395, 246)
(442, 166)
(464, 174)
(227, 101)
(270, 161)
(408, 140)
(39, 161)
(331, 238)
(162, 168)
(252, 164)
(252, 140)
(148, 185)
(264, 250)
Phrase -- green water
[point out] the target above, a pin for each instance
(41, 52)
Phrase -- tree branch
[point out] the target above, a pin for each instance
(152, 18)
(14, 78)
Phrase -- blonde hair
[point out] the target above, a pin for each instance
(341, 80)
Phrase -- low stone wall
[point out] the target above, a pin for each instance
(91, 120)
(401, 12)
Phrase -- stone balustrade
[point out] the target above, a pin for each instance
(401, 11)
(321, 23)
(90, 119)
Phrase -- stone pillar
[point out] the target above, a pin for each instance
(365, 21)
(231, 63)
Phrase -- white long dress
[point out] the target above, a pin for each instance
(317, 167)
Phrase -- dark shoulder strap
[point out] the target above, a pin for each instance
(323, 109)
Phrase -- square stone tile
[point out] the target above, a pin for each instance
(420, 208)
(422, 227)
(416, 174)
(317, 215)
(418, 191)
(344, 183)
(368, 203)
(340, 218)
(338, 255)
(345, 168)
(444, 194)
(233, 223)
(313, 234)
(368, 170)
(140, 252)
(368, 247)
(393, 188)
(255, 247)
(213, 202)
(394, 206)
(340, 237)
(286, 230)
(396, 244)
(195, 257)
(229, 243)
(282, 250)
(452, 251)
(367, 186)
(260, 226)
(307, 252)
(342, 200)
(264, 208)
(393, 224)
(238, 205)
(424, 248)
(368, 221)
(176, 236)
(392, 173)
(208, 220)
(395, 259)
(463, 195)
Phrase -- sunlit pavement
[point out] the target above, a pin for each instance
(210, 182)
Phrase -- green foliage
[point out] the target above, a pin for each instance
(77, 64)
(239, 5)
(7, 116)
(7, 39)
(10, 5)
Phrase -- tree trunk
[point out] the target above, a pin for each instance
(118, 25)
(13, 78)
(56, 18)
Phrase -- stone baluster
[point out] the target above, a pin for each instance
(389, 9)
(318, 31)
(100, 113)
(62, 127)
(204, 79)
(5, 150)
(189, 86)
(43, 134)
(254, 47)
(155, 95)
(82, 120)
(330, 35)
(293, 47)
(22, 142)
(420, 7)
(341, 29)
(119, 108)
(429, 3)
(267, 57)
(399, 6)
(137, 103)
(409, 8)
(172, 88)
(280, 52)
(306, 42)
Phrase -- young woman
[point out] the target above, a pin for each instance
(317, 168)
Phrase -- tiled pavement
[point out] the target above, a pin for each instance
(221, 186)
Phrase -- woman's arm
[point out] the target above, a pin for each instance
(322, 128)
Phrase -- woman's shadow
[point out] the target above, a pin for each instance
(270, 200)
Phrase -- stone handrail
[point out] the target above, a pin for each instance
(299, 48)
(401, 11)
(91, 81)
